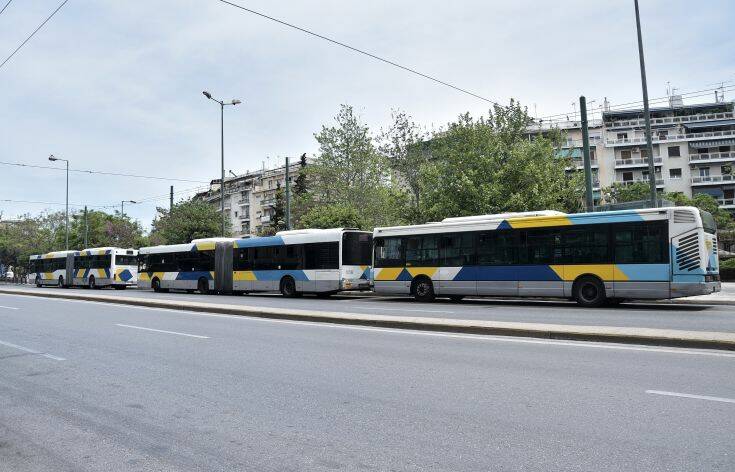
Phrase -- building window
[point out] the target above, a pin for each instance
(644, 152)
(235, 214)
(622, 135)
(593, 154)
(704, 171)
(674, 151)
(625, 155)
(724, 149)
(662, 135)
(675, 174)
(627, 176)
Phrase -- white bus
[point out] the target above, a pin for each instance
(320, 261)
(53, 268)
(593, 258)
(106, 267)
(94, 268)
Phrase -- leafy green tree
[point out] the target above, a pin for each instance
(705, 202)
(623, 193)
(489, 165)
(404, 146)
(300, 187)
(28, 235)
(333, 216)
(103, 229)
(279, 210)
(187, 220)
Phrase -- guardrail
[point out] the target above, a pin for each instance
(712, 156)
(713, 179)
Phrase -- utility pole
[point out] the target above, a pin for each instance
(586, 154)
(288, 197)
(171, 200)
(66, 217)
(646, 110)
(86, 227)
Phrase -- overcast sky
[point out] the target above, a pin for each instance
(116, 85)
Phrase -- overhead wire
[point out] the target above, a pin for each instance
(6, 6)
(32, 34)
(115, 174)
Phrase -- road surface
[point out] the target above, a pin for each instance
(89, 386)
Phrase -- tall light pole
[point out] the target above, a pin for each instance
(122, 206)
(646, 111)
(222, 147)
(53, 158)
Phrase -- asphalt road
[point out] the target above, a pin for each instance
(89, 386)
(646, 315)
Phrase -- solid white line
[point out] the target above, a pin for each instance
(401, 309)
(163, 331)
(475, 337)
(32, 351)
(689, 395)
(9, 307)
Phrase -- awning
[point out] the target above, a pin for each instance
(713, 143)
(574, 153)
(708, 124)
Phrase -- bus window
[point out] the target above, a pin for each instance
(389, 252)
(457, 249)
(641, 243)
(357, 248)
(422, 251)
(125, 260)
(321, 255)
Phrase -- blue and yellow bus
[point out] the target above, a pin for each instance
(593, 258)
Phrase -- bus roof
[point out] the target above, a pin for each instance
(53, 254)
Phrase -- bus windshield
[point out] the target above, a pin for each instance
(126, 260)
(708, 222)
(357, 248)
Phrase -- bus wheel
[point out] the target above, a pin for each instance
(61, 281)
(156, 285)
(38, 283)
(456, 298)
(422, 289)
(589, 292)
(119, 287)
(92, 283)
(288, 287)
(203, 286)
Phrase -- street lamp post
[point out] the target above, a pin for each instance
(646, 110)
(122, 206)
(53, 158)
(222, 149)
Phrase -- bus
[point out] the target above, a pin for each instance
(319, 261)
(106, 267)
(94, 268)
(593, 258)
(53, 268)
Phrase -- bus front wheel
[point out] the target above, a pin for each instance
(61, 281)
(156, 285)
(203, 286)
(589, 292)
(288, 287)
(423, 289)
(92, 282)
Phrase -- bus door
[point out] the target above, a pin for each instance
(69, 277)
(223, 266)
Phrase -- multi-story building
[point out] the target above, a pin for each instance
(250, 198)
(693, 148)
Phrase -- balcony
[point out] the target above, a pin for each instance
(268, 202)
(711, 157)
(640, 140)
(728, 203)
(265, 219)
(671, 120)
(713, 180)
(636, 162)
(579, 164)
(577, 143)
(243, 202)
(659, 182)
(244, 217)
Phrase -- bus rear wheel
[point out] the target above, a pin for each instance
(288, 287)
(156, 285)
(423, 289)
(203, 286)
(92, 283)
(589, 292)
(61, 281)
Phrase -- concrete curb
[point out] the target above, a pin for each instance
(646, 336)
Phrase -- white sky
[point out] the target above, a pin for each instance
(116, 85)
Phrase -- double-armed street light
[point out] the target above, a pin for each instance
(53, 158)
(222, 148)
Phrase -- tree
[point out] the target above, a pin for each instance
(705, 202)
(187, 220)
(622, 193)
(279, 210)
(103, 229)
(299, 187)
(404, 146)
(333, 216)
(489, 165)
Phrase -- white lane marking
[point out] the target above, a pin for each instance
(32, 351)
(689, 395)
(400, 309)
(9, 307)
(162, 331)
(475, 337)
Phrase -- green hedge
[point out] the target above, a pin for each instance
(727, 274)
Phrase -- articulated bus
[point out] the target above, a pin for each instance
(593, 258)
(320, 261)
(94, 268)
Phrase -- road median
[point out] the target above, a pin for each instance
(626, 335)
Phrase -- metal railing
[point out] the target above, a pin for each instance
(638, 140)
(634, 181)
(712, 179)
(636, 162)
(726, 201)
(671, 120)
(712, 156)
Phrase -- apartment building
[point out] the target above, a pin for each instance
(250, 198)
(693, 148)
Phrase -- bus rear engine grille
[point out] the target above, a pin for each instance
(687, 254)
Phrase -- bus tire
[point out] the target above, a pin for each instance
(61, 281)
(456, 298)
(38, 283)
(92, 283)
(156, 285)
(288, 287)
(422, 289)
(203, 286)
(589, 291)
